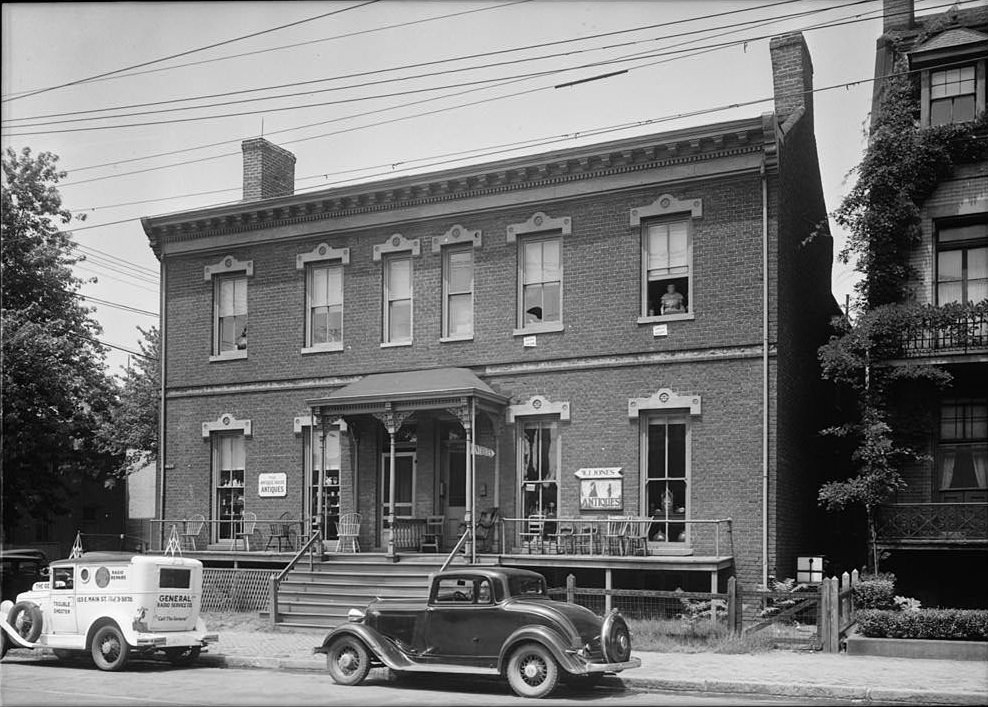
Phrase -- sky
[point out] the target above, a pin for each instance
(146, 104)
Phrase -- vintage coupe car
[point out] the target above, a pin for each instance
(112, 605)
(483, 620)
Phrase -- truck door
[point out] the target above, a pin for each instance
(64, 617)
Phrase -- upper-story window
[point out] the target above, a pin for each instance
(962, 262)
(952, 95)
(397, 299)
(667, 255)
(458, 292)
(230, 306)
(540, 279)
(963, 449)
(324, 301)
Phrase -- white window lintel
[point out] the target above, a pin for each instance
(664, 399)
(667, 205)
(322, 252)
(538, 223)
(226, 423)
(306, 421)
(397, 243)
(228, 264)
(456, 235)
(538, 405)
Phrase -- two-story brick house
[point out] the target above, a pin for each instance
(623, 328)
(936, 531)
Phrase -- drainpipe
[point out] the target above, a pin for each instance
(161, 402)
(765, 398)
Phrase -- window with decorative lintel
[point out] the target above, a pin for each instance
(323, 268)
(229, 280)
(457, 247)
(396, 255)
(227, 437)
(540, 272)
(539, 453)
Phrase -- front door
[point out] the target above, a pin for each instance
(453, 487)
(404, 487)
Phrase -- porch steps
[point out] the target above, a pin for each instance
(322, 596)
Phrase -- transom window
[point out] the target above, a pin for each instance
(962, 263)
(324, 302)
(963, 446)
(666, 258)
(230, 321)
(540, 280)
(952, 95)
(458, 292)
(397, 299)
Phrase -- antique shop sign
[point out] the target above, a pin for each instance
(601, 488)
(272, 484)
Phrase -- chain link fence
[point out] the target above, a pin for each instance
(235, 589)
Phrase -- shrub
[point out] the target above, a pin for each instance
(876, 591)
(933, 624)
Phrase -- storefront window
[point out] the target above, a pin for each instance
(539, 461)
(331, 478)
(666, 478)
(228, 475)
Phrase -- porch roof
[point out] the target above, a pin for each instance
(429, 388)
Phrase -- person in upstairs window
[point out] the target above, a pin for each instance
(242, 340)
(672, 301)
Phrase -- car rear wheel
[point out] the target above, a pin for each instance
(27, 620)
(181, 657)
(348, 660)
(532, 671)
(615, 638)
(110, 650)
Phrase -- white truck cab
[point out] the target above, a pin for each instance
(112, 605)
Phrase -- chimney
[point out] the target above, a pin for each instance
(898, 15)
(792, 74)
(269, 170)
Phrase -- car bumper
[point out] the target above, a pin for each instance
(178, 639)
(611, 667)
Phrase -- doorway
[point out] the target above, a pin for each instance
(405, 463)
(453, 487)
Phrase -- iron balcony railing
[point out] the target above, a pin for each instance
(942, 330)
(933, 524)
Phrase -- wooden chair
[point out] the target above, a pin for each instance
(615, 535)
(191, 530)
(279, 531)
(247, 526)
(348, 537)
(565, 537)
(637, 536)
(586, 538)
(487, 528)
(532, 536)
(432, 536)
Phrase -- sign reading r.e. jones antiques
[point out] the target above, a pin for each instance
(601, 488)
(272, 484)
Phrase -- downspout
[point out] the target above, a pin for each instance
(161, 402)
(765, 387)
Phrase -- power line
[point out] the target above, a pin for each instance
(129, 263)
(185, 53)
(115, 305)
(111, 277)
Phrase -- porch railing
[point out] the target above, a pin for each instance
(223, 533)
(933, 523)
(625, 535)
(947, 332)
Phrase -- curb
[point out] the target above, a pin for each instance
(773, 689)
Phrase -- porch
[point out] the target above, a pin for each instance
(933, 526)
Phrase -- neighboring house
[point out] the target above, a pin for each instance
(937, 530)
(623, 328)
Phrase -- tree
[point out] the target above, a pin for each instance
(55, 389)
(132, 429)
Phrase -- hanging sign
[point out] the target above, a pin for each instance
(481, 451)
(272, 484)
(601, 488)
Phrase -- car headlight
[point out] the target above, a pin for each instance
(355, 616)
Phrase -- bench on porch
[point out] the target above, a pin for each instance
(408, 533)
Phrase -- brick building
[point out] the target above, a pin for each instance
(624, 328)
(936, 531)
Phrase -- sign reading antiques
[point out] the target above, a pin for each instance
(601, 488)
(272, 484)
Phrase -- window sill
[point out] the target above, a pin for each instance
(393, 344)
(462, 337)
(660, 319)
(229, 356)
(323, 348)
(547, 328)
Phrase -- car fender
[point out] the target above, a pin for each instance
(546, 636)
(383, 649)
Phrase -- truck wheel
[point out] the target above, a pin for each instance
(110, 650)
(181, 657)
(532, 671)
(348, 660)
(27, 620)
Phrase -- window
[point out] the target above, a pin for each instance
(331, 477)
(539, 460)
(666, 482)
(963, 447)
(397, 299)
(458, 292)
(962, 263)
(228, 478)
(952, 95)
(540, 280)
(62, 577)
(666, 258)
(172, 578)
(230, 307)
(324, 302)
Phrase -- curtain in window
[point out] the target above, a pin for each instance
(981, 467)
(947, 471)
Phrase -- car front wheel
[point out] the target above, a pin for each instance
(348, 661)
(532, 671)
(110, 650)
(27, 620)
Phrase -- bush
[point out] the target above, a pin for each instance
(932, 624)
(876, 591)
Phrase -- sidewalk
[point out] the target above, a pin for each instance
(778, 673)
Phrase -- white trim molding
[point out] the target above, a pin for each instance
(664, 399)
(540, 223)
(228, 264)
(396, 243)
(321, 252)
(306, 421)
(225, 423)
(538, 405)
(456, 235)
(667, 205)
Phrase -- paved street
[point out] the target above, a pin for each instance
(29, 681)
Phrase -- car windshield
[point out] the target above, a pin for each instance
(526, 586)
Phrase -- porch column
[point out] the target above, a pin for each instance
(392, 422)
